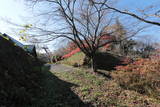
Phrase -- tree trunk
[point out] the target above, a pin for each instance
(93, 64)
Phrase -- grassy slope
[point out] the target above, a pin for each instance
(104, 60)
(56, 93)
(74, 59)
(97, 90)
(81, 88)
(101, 92)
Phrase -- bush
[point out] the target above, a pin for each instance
(56, 58)
(141, 65)
(141, 76)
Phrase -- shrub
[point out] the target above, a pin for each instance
(142, 76)
(71, 46)
(56, 58)
(142, 65)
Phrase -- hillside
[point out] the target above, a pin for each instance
(105, 61)
(18, 80)
(97, 91)
(77, 58)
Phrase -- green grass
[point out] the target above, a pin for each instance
(81, 88)
(74, 59)
(56, 93)
(99, 91)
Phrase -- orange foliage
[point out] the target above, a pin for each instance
(71, 53)
(143, 76)
(72, 48)
(141, 65)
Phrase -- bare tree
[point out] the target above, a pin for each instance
(154, 15)
(81, 21)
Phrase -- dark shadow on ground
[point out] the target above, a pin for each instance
(104, 74)
(57, 93)
(46, 67)
(104, 61)
(107, 61)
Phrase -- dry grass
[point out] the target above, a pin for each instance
(101, 92)
(142, 76)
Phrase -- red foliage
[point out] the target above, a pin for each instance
(107, 46)
(126, 60)
(143, 76)
(72, 47)
(71, 53)
(142, 66)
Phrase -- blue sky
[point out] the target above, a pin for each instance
(14, 10)
(131, 5)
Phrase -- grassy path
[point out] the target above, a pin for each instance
(61, 68)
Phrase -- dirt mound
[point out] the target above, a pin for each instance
(18, 81)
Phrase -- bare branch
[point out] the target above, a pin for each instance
(128, 13)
